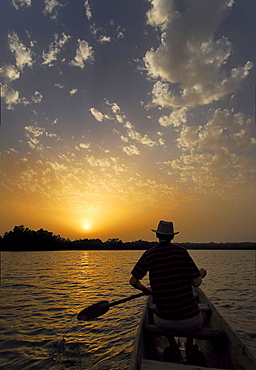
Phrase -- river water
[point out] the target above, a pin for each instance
(42, 292)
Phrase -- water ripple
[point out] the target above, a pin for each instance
(39, 304)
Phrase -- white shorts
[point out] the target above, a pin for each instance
(190, 324)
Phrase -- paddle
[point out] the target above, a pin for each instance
(98, 309)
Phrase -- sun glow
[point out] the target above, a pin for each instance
(86, 226)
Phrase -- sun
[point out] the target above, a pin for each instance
(86, 226)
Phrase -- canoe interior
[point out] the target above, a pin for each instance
(220, 353)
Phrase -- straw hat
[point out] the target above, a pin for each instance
(165, 228)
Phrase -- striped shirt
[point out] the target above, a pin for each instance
(171, 270)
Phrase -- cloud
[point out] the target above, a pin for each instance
(11, 96)
(104, 39)
(225, 130)
(55, 48)
(73, 91)
(161, 13)
(142, 139)
(59, 86)
(37, 97)
(51, 8)
(190, 63)
(110, 32)
(115, 108)
(9, 73)
(84, 53)
(176, 118)
(98, 115)
(22, 54)
(88, 11)
(214, 154)
(20, 3)
(131, 150)
(34, 133)
(83, 146)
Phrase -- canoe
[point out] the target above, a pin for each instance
(216, 344)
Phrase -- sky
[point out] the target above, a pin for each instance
(116, 114)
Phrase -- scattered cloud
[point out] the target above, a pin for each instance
(60, 86)
(73, 91)
(34, 133)
(98, 115)
(104, 39)
(55, 48)
(176, 118)
(214, 153)
(19, 3)
(131, 150)
(142, 139)
(23, 55)
(9, 73)
(11, 96)
(225, 130)
(51, 8)
(37, 97)
(88, 11)
(84, 53)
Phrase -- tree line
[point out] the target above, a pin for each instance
(25, 239)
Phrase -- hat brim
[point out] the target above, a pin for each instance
(158, 232)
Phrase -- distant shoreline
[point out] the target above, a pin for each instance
(24, 239)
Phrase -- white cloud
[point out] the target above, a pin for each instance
(9, 73)
(20, 3)
(11, 96)
(225, 130)
(88, 11)
(55, 48)
(176, 118)
(104, 39)
(59, 86)
(22, 54)
(54, 122)
(51, 8)
(73, 91)
(143, 139)
(136, 136)
(84, 146)
(34, 133)
(161, 12)
(189, 61)
(115, 108)
(84, 53)
(98, 115)
(37, 97)
(131, 150)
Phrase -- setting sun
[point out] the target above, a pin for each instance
(86, 227)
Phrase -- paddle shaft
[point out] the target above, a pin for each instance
(125, 299)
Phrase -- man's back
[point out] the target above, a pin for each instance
(171, 271)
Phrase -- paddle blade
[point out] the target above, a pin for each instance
(93, 311)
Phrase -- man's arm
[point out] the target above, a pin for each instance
(198, 281)
(137, 285)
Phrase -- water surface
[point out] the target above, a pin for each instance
(42, 292)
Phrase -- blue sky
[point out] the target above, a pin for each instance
(116, 114)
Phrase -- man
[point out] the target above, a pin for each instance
(172, 273)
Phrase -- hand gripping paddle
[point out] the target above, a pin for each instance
(100, 308)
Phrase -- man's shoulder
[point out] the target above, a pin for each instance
(179, 247)
(163, 245)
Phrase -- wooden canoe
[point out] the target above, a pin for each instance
(220, 345)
